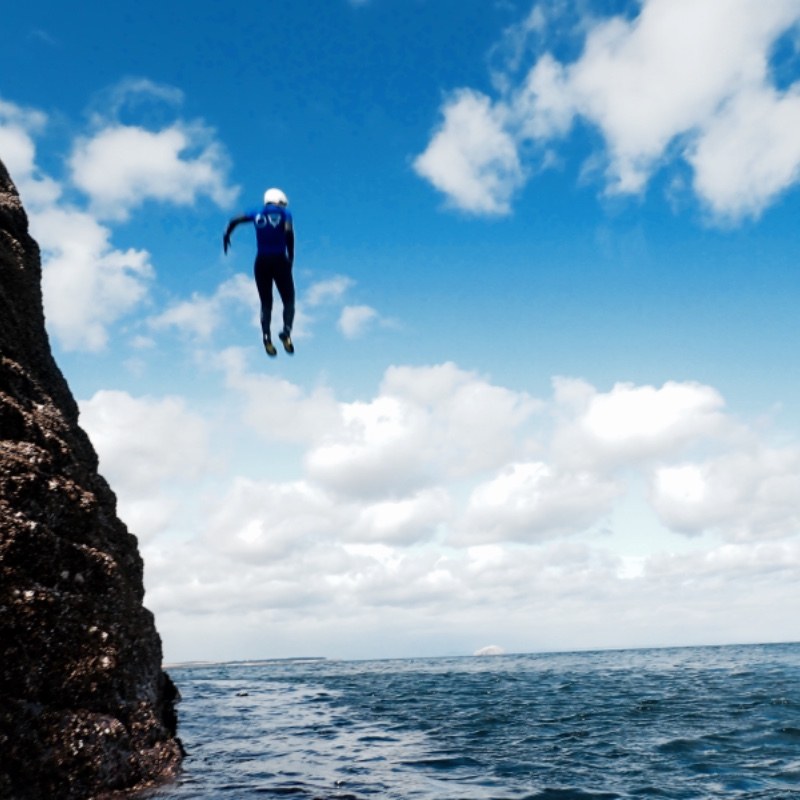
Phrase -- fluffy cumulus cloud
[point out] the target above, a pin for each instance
(122, 166)
(18, 127)
(531, 500)
(260, 521)
(407, 520)
(633, 423)
(746, 495)
(754, 133)
(472, 157)
(327, 296)
(354, 320)
(201, 315)
(86, 282)
(425, 425)
(686, 79)
(274, 408)
(525, 469)
(329, 290)
(147, 447)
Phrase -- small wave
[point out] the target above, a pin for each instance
(679, 746)
(571, 794)
(451, 762)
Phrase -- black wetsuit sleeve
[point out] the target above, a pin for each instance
(226, 238)
(234, 222)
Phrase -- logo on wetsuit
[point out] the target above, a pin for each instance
(273, 219)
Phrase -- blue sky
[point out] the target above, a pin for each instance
(544, 395)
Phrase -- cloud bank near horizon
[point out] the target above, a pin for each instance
(446, 492)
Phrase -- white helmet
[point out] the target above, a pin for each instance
(275, 197)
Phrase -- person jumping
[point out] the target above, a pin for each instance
(274, 260)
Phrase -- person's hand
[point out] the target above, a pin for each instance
(226, 242)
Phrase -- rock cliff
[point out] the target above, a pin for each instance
(85, 708)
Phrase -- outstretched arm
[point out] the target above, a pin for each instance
(226, 239)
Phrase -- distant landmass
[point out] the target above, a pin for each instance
(490, 650)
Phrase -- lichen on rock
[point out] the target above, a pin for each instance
(85, 707)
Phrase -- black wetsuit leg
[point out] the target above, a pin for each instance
(282, 275)
(262, 270)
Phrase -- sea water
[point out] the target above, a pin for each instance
(717, 722)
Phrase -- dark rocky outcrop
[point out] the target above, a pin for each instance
(85, 708)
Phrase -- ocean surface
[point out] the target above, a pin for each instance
(714, 722)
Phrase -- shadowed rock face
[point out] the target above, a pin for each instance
(85, 708)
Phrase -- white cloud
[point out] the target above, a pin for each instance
(635, 413)
(354, 320)
(449, 504)
(18, 126)
(121, 167)
(135, 93)
(531, 500)
(417, 517)
(275, 408)
(632, 423)
(17, 148)
(261, 521)
(331, 290)
(479, 423)
(426, 425)
(146, 447)
(86, 283)
(676, 70)
(755, 131)
(472, 157)
(513, 48)
(201, 315)
(330, 294)
(685, 78)
(749, 494)
(646, 80)
(376, 451)
(338, 600)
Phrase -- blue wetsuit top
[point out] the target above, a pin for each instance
(274, 230)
